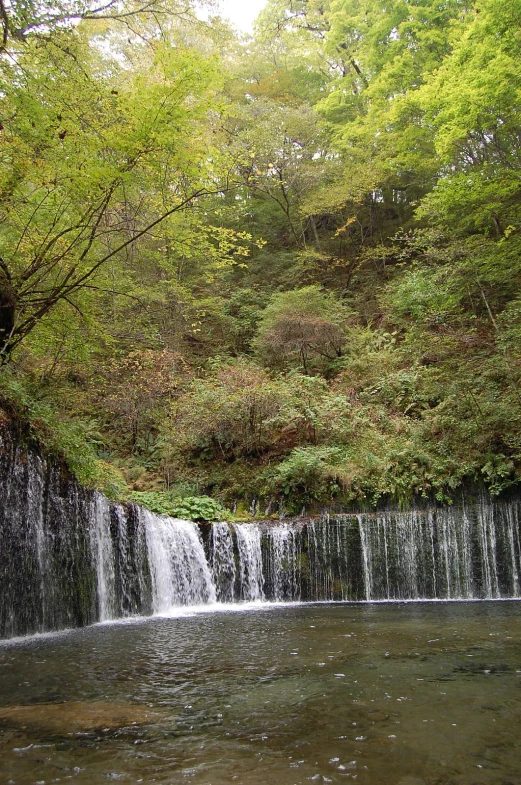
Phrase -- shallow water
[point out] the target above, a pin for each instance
(387, 693)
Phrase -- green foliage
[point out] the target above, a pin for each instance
(303, 328)
(229, 414)
(289, 271)
(193, 508)
(199, 508)
(79, 157)
(308, 474)
(66, 439)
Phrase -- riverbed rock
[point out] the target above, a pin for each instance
(78, 716)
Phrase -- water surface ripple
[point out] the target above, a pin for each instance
(397, 694)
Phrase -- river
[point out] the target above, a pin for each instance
(378, 693)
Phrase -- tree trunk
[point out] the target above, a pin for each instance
(7, 310)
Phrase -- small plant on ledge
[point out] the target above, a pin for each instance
(193, 508)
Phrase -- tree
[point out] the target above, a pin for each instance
(20, 21)
(280, 153)
(390, 49)
(305, 326)
(471, 106)
(91, 164)
(289, 269)
(230, 414)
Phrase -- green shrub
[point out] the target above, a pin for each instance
(199, 508)
(193, 508)
(59, 437)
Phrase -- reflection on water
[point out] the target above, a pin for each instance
(394, 694)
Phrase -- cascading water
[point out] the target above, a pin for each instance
(222, 561)
(251, 579)
(333, 554)
(462, 553)
(178, 566)
(282, 563)
(103, 556)
(70, 557)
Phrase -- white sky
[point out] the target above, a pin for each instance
(242, 12)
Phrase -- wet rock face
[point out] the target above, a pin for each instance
(70, 557)
(45, 576)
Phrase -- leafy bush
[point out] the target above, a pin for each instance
(229, 414)
(60, 437)
(193, 508)
(308, 473)
(199, 508)
(303, 328)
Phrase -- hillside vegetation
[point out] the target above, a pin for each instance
(284, 269)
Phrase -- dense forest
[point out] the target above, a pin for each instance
(284, 268)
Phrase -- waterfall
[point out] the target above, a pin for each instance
(332, 558)
(103, 557)
(70, 557)
(417, 555)
(514, 543)
(250, 561)
(222, 562)
(179, 570)
(282, 564)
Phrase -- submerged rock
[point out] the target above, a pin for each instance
(78, 716)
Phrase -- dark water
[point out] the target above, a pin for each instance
(399, 693)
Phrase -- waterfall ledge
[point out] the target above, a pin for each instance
(70, 557)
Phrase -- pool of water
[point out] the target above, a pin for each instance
(380, 694)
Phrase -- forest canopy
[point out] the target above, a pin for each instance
(284, 267)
